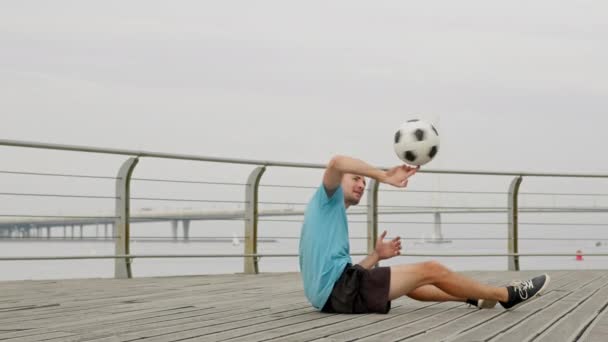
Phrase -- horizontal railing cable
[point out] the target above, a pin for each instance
(286, 255)
(58, 216)
(55, 174)
(25, 194)
(160, 180)
(266, 238)
(460, 223)
(287, 186)
(186, 200)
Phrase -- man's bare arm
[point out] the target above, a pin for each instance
(339, 165)
(370, 260)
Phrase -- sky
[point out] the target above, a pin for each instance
(511, 85)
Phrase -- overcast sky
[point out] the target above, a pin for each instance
(512, 85)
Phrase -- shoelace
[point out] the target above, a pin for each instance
(522, 288)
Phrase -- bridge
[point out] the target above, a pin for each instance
(40, 227)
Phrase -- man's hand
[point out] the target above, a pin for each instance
(389, 249)
(383, 250)
(398, 175)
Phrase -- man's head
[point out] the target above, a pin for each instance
(353, 187)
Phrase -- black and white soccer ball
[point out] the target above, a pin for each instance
(416, 142)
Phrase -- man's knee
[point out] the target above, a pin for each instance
(435, 270)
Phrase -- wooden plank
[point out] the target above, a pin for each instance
(465, 323)
(62, 335)
(399, 308)
(570, 326)
(272, 306)
(393, 321)
(187, 322)
(219, 326)
(509, 320)
(417, 327)
(532, 327)
(342, 322)
(134, 322)
(91, 323)
(411, 329)
(598, 330)
(238, 300)
(97, 320)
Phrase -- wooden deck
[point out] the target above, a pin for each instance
(273, 307)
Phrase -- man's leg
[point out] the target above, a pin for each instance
(431, 293)
(407, 278)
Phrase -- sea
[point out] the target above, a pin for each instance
(156, 238)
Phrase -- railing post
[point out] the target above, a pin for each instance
(372, 215)
(251, 220)
(513, 220)
(122, 267)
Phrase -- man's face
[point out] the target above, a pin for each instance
(353, 187)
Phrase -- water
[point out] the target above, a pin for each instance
(62, 269)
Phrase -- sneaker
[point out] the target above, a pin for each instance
(522, 291)
(486, 303)
(482, 303)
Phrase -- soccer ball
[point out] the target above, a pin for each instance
(416, 142)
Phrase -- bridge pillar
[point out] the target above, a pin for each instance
(174, 229)
(186, 224)
(48, 232)
(72, 230)
(437, 233)
(105, 231)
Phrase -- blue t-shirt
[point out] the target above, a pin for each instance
(324, 249)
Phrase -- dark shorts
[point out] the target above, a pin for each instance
(359, 290)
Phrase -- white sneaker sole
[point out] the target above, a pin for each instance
(486, 303)
(538, 294)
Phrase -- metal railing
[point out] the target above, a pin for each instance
(250, 215)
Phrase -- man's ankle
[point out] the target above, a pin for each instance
(504, 294)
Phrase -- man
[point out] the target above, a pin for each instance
(333, 284)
